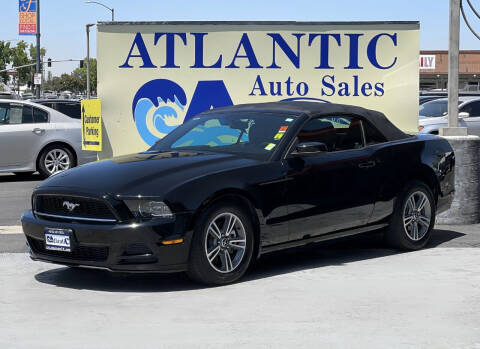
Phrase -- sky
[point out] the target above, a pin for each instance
(63, 21)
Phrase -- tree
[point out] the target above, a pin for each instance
(65, 82)
(5, 59)
(82, 74)
(21, 54)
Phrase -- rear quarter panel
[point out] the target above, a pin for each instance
(426, 158)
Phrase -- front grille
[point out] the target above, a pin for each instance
(80, 252)
(81, 208)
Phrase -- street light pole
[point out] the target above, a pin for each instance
(38, 48)
(453, 53)
(112, 10)
(453, 48)
(88, 59)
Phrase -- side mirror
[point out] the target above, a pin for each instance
(310, 148)
(463, 115)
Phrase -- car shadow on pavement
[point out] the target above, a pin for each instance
(26, 177)
(339, 252)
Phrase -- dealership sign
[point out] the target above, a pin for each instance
(154, 76)
(27, 17)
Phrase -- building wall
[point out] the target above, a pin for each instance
(469, 69)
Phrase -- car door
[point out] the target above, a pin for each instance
(22, 132)
(330, 190)
(16, 135)
(473, 121)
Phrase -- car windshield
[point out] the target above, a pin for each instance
(434, 109)
(250, 134)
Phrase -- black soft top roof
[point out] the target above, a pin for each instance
(313, 109)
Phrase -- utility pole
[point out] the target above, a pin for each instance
(38, 48)
(88, 59)
(453, 53)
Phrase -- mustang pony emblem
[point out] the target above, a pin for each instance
(70, 205)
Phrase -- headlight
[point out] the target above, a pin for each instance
(149, 209)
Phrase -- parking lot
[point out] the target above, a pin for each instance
(352, 293)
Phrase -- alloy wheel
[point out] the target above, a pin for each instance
(225, 242)
(417, 215)
(57, 160)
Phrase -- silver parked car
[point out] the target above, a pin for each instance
(37, 138)
(433, 115)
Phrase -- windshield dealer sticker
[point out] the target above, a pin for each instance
(283, 129)
(289, 120)
(270, 146)
(278, 136)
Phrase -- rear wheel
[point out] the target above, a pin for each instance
(222, 245)
(413, 218)
(54, 159)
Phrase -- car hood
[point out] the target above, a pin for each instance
(160, 172)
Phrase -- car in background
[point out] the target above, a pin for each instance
(425, 99)
(34, 137)
(433, 115)
(69, 107)
(8, 95)
(49, 94)
(27, 96)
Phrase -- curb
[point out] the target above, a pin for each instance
(12, 229)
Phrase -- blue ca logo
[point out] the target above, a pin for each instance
(158, 107)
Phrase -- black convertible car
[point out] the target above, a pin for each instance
(236, 182)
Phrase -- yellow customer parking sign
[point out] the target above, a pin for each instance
(92, 124)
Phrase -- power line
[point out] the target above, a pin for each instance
(473, 9)
(466, 20)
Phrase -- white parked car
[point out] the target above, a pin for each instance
(37, 138)
(433, 115)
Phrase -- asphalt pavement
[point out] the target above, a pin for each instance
(15, 194)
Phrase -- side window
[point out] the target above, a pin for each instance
(336, 132)
(70, 109)
(40, 116)
(50, 105)
(27, 115)
(372, 136)
(16, 114)
(472, 108)
(4, 114)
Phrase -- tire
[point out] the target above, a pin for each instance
(219, 271)
(46, 162)
(404, 236)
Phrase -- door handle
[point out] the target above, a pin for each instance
(38, 131)
(367, 164)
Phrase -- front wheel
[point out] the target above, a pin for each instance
(413, 218)
(54, 159)
(222, 245)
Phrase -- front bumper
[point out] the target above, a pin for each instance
(126, 247)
